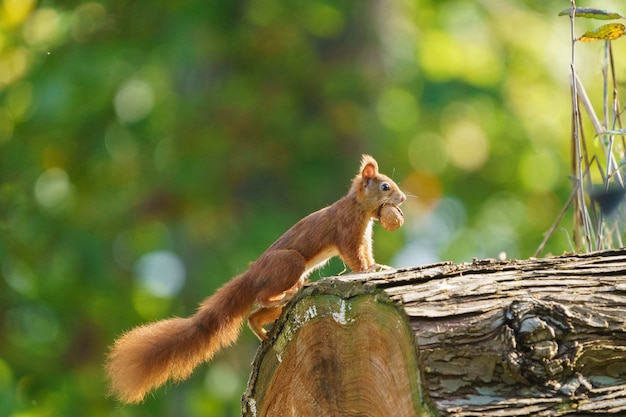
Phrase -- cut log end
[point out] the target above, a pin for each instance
(334, 356)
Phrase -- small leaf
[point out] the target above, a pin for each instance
(608, 32)
(591, 13)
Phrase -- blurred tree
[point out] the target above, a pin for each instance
(150, 150)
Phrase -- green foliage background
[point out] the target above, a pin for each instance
(186, 136)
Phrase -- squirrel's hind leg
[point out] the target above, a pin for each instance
(279, 275)
(261, 316)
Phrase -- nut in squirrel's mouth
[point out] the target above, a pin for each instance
(392, 205)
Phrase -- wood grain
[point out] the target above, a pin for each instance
(337, 355)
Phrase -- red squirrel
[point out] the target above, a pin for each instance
(147, 356)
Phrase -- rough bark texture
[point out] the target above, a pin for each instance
(539, 337)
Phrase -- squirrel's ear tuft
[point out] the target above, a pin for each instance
(369, 167)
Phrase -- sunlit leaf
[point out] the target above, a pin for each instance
(606, 32)
(591, 13)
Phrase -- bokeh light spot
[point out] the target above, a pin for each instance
(134, 101)
(428, 152)
(43, 28)
(441, 56)
(429, 235)
(468, 146)
(15, 11)
(88, 18)
(53, 188)
(20, 277)
(398, 109)
(222, 380)
(539, 172)
(423, 190)
(13, 65)
(502, 209)
(161, 273)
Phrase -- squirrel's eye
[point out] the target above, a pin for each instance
(385, 187)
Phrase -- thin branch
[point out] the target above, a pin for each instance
(556, 223)
(580, 209)
(584, 98)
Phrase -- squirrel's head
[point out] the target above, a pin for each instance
(375, 190)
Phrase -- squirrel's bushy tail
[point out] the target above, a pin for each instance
(147, 356)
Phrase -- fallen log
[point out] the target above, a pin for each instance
(537, 337)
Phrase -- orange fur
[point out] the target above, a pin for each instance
(149, 355)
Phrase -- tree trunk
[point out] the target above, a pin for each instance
(539, 337)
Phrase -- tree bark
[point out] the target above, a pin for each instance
(538, 337)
